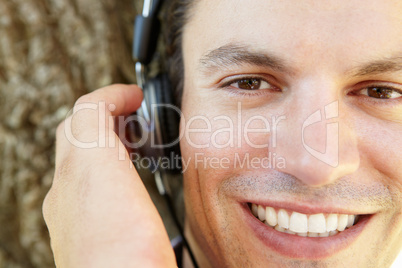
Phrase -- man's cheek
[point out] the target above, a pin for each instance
(380, 145)
(220, 144)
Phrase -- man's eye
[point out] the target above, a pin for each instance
(381, 92)
(251, 84)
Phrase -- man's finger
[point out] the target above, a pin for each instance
(91, 121)
(120, 99)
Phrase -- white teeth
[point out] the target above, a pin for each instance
(254, 209)
(342, 222)
(261, 213)
(332, 233)
(317, 225)
(312, 234)
(283, 219)
(351, 220)
(326, 234)
(332, 222)
(271, 217)
(289, 232)
(280, 229)
(298, 223)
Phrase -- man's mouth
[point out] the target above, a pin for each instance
(292, 222)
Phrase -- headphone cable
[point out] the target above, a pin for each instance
(179, 227)
(160, 184)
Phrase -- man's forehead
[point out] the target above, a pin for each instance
(236, 32)
(304, 5)
(337, 13)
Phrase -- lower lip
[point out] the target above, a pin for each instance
(294, 246)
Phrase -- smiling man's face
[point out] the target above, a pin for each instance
(293, 118)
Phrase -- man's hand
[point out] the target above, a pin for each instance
(98, 212)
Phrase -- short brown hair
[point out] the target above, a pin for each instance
(177, 15)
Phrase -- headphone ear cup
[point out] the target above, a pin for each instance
(168, 119)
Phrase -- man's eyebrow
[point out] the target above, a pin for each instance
(236, 54)
(387, 65)
(233, 54)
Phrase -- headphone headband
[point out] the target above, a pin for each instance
(146, 32)
(151, 8)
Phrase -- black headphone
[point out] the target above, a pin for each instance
(161, 116)
(158, 108)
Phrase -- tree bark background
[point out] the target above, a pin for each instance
(51, 52)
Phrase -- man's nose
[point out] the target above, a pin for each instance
(316, 143)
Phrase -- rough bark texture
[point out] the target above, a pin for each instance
(51, 52)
